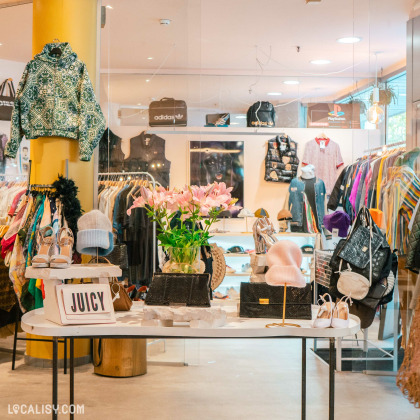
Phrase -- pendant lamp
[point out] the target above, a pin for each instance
(375, 114)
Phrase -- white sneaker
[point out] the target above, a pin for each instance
(341, 318)
(230, 270)
(246, 268)
(325, 313)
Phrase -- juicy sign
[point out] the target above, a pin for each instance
(86, 299)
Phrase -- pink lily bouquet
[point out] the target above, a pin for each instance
(184, 216)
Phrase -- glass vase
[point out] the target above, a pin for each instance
(184, 260)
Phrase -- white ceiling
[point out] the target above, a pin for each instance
(219, 43)
(208, 55)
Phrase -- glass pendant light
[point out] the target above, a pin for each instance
(375, 114)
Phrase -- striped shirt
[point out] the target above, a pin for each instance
(401, 194)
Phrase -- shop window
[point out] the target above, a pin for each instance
(361, 97)
(396, 110)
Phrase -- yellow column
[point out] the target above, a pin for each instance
(75, 22)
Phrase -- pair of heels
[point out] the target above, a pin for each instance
(330, 314)
(46, 245)
(263, 232)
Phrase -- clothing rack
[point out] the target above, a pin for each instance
(41, 186)
(385, 146)
(20, 176)
(153, 181)
(15, 337)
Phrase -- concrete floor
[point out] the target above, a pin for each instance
(231, 379)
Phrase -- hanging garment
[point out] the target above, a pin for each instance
(281, 161)
(55, 97)
(408, 377)
(325, 155)
(3, 142)
(7, 294)
(147, 154)
(297, 192)
(111, 156)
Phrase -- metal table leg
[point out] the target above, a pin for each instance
(65, 356)
(303, 379)
(339, 354)
(55, 379)
(72, 407)
(15, 339)
(332, 379)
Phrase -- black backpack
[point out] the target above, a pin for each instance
(261, 114)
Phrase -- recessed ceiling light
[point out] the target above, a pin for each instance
(147, 80)
(139, 103)
(109, 6)
(241, 117)
(349, 39)
(320, 62)
(150, 58)
(274, 93)
(1, 44)
(291, 82)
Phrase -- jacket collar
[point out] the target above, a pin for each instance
(66, 52)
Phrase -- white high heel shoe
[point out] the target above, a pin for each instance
(341, 313)
(65, 241)
(325, 313)
(45, 241)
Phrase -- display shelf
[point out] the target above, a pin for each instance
(74, 271)
(237, 274)
(228, 254)
(223, 131)
(285, 234)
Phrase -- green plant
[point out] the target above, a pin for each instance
(353, 101)
(386, 95)
(184, 216)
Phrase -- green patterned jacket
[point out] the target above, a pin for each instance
(55, 98)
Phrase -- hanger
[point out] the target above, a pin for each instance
(56, 50)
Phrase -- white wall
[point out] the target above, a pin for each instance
(258, 193)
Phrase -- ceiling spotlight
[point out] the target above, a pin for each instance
(109, 7)
(320, 62)
(291, 82)
(150, 58)
(274, 93)
(139, 103)
(147, 80)
(349, 40)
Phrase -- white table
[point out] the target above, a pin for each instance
(128, 325)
